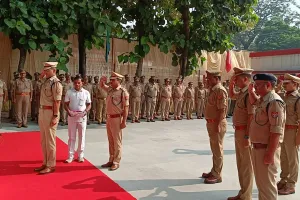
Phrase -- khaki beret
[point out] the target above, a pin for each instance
(136, 78)
(288, 78)
(115, 75)
(213, 72)
(240, 71)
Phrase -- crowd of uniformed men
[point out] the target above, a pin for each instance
(266, 116)
(147, 100)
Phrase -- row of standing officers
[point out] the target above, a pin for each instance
(267, 132)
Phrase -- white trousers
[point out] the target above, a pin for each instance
(73, 127)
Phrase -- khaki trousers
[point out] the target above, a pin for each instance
(165, 107)
(48, 137)
(216, 145)
(177, 107)
(189, 107)
(135, 108)
(244, 165)
(22, 103)
(183, 106)
(289, 159)
(143, 105)
(101, 110)
(265, 175)
(93, 109)
(63, 112)
(200, 107)
(114, 135)
(150, 107)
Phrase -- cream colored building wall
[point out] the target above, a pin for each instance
(276, 63)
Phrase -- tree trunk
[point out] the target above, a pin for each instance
(139, 68)
(82, 52)
(140, 33)
(22, 58)
(186, 31)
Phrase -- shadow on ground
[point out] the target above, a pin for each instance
(200, 152)
(163, 189)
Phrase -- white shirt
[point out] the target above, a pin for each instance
(78, 99)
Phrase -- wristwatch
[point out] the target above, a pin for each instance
(55, 115)
(246, 137)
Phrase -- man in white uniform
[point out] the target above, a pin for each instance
(77, 105)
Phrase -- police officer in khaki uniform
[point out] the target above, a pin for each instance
(189, 96)
(165, 99)
(151, 92)
(243, 114)
(100, 99)
(215, 115)
(22, 97)
(289, 148)
(200, 96)
(36, 85)
(266, 134)
(158, 102)
(94, 102)
(177, 94)
(143, 100)
(12, 111)
(135, 93)
(67, 85)
(117, 112)
(51, 94)
(3, 95)
(89, 87)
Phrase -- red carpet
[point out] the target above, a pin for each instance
(20, 153)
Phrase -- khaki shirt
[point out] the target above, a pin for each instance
(66, 86)
(292, 110)
(117, 100)
(126, 85)
(264, 123)
(200, 93)
(166, 91)
(89, 88)
(135, 91)
(51, 90)
(98, 92)
(36, 85)
(143, 85)
(178, 91)
(189, 93)
(151, 90)
(23, 86)
(2, 87)
(243, 108)
(217, 99)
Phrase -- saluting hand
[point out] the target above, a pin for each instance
(268, 159)
(251, 87)
(54, 121)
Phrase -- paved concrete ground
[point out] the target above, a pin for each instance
(164, 160)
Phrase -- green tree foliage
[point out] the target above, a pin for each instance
(93, 23)
(266, 10)
(278, 34)
(204, 25)
(29, 27)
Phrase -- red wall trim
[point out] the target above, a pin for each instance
(275, 53)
